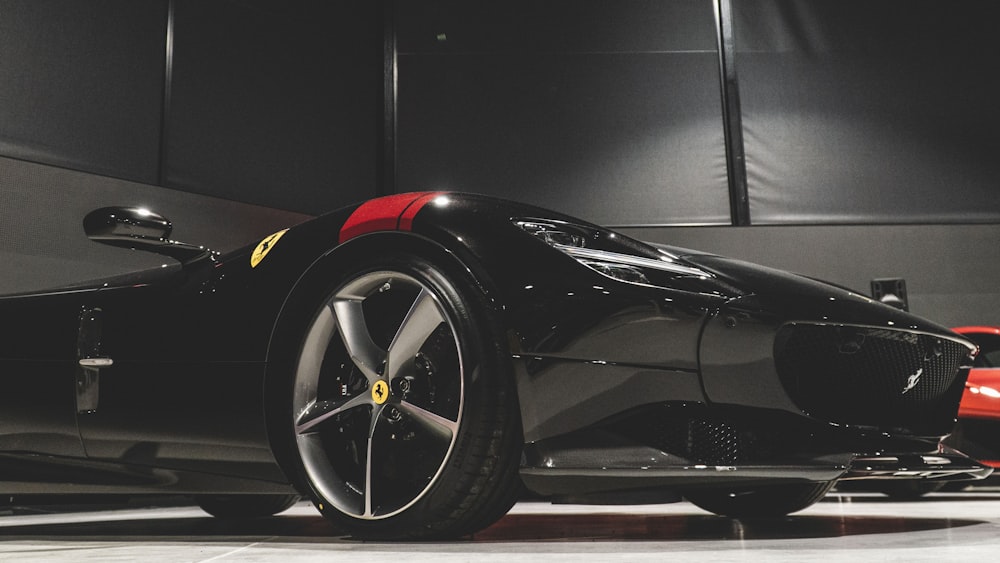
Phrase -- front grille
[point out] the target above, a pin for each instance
(870, 376)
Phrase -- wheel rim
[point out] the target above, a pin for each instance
(378, 395)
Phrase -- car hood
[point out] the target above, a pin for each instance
(795, 297)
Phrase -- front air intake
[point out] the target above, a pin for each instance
(866, 376)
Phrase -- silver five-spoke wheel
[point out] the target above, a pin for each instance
(378, 395)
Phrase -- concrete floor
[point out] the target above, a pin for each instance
(861, 526)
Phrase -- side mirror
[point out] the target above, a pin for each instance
(138, 229)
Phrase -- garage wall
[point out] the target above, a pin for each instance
(866, 129)
(274, 103)
(869, 112)
(231, 117)
(609, 110)
(81, 84)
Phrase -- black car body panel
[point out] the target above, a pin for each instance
(653, 369)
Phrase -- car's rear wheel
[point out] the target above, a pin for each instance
(759, 502)
(404, 414)
(245, 506)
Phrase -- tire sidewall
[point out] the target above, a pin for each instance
(479, 342)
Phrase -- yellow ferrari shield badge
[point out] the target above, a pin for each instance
(380, 392)
(264, 247)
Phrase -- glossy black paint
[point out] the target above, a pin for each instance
(202, 354)
(138, 228)
(116, 223)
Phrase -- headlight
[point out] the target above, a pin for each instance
(619, 272)
(553, 235)
(601, 251)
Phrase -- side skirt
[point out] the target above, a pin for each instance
(38, 474)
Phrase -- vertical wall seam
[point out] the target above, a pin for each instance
(168, 76)
(386, 183)
(732, 118)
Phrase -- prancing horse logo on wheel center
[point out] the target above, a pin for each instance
(380, 392)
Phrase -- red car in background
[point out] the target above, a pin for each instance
(978, 430)
(977, 433)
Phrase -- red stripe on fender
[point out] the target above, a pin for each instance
(385, 214)
(406, 219)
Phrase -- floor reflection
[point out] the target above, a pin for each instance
(590, 527)
(838, 516)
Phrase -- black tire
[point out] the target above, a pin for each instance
(910, 489)
(406, 356)
(759, 502)
(245, 506)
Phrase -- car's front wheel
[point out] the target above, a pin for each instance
(759, 502)
(403, 410)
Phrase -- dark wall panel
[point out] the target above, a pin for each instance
(276, 103)
(869, 112)
(607, 110)
(81, 84)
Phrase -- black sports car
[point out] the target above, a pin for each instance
(410, 362)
